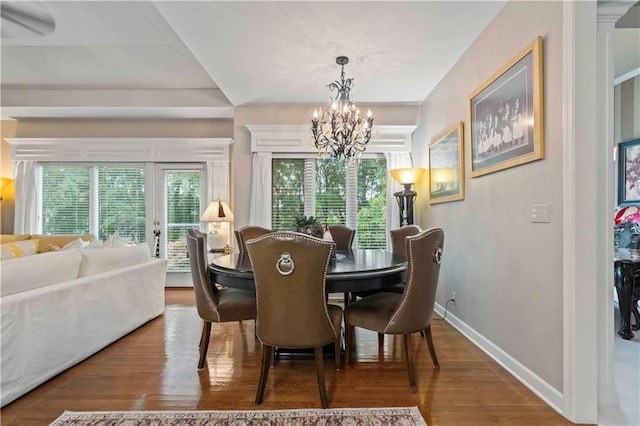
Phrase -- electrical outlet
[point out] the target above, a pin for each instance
(453, 296)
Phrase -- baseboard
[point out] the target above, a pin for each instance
(537, 385)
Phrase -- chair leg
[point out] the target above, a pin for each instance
(267, 352)
(380, 346)
(346, 298)
(204, 343)
(204, 325)
(320, 374)
(408, 356)
(348, 343)
(337, 346)
(432, 349)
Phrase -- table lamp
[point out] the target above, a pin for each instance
(406, 177)
(216, 213)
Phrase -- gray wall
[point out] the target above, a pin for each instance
(506, 271)
(627, 109)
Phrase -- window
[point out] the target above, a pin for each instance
(93, 199)
(355, 197)
(182, 212)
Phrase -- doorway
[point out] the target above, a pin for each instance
(178, 195)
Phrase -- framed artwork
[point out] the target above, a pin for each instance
(506, 115)
(629, 172)
(446, 165)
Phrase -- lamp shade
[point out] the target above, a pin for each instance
(407, 175)
(217, 211)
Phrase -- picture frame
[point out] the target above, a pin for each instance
(506, 115)
(629, 172)
(446, 165)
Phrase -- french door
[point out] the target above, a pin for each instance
(178, 195)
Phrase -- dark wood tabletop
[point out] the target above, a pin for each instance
(352, 270)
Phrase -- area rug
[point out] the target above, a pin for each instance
(401, 416)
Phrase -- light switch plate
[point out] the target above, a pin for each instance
(540, 213)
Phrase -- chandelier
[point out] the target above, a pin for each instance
(341, 132)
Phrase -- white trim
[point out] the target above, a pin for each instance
(535, 383)
(568, 231)
(605, 204)
(627, 76)
(297, 138)
(607, 15)
(121, 149)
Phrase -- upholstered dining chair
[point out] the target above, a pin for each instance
(343, 236)
(398, 237)
(246, 233)
(213, 304)
(289, 271)
(409, 312)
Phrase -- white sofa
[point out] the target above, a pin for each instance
(61, 307)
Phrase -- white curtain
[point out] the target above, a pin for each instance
(218, 181)
(26, 201)
(395, 160)
(260, 207)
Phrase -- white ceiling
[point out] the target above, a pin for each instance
(204, 54)
(202, 58)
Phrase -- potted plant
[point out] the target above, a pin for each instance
(309, 225)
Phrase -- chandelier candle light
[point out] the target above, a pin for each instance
(341, 132)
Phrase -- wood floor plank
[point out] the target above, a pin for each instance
(154, 368)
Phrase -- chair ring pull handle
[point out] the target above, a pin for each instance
(285, 264)
(437, 255)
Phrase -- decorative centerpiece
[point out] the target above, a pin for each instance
(309, 225)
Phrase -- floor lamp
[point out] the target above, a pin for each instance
(406, 177)
(217, 239)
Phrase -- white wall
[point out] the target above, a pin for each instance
(506, 271)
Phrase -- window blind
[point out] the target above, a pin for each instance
(95, 199)
(331, 192)
(354, 197)
(121, 202)
(182, 212)
(288, 190)
(371, 196)
(65, 199)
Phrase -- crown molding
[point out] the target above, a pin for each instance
(120, 149)
(297, 138)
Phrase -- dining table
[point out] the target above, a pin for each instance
(350, 271)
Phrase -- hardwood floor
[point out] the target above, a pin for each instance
(154, 368)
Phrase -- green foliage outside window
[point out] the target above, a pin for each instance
(65, 200)
(288, 197)
(121, 203)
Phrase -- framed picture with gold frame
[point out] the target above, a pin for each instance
(506, 114)
(446, 165)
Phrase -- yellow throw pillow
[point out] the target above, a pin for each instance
(19, 249)
(50, 247)
(11, 238)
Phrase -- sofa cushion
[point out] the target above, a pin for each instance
(19, 249)
(10, 238)
(26, 273)
(108, 259)
(76, 244)
(49, 242)
(115, 240)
